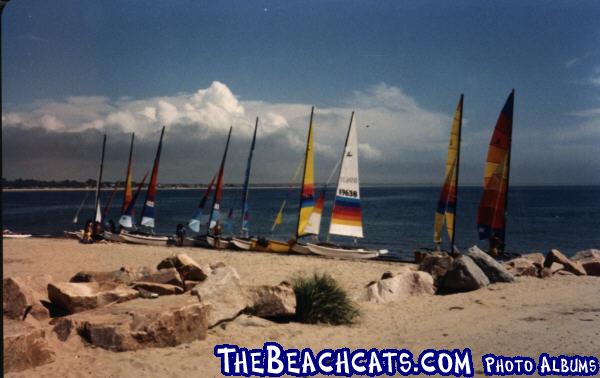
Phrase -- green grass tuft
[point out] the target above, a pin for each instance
(320, 299)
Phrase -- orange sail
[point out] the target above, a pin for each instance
(128, 194)
(491, 215)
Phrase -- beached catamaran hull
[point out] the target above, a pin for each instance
(114, 237)
(144, 239)
(243, 244)
(343, 253)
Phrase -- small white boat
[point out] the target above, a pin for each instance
(331, 250)
(146, 239)
(222, 243)
(73, 234)
(12, 235)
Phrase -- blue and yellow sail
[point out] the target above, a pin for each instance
(307, 195)
(446, 207)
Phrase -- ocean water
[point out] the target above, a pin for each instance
(397, 218)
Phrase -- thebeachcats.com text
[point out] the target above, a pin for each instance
(272, 360)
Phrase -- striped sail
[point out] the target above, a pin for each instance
(126, 219)
(313, 226)
(194, 223)
(245, 214)
(216, 205)
(491, 215)
(148, 210)
(346, 218)
(128, 193)
(446, 208)
(307, 194)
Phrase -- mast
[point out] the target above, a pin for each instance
(457, 172)
(512, 95)
(244, 220)
(98, 216)
(308, 138)
(340, 172)
(127, 194)
(215, 208)
(148, 209)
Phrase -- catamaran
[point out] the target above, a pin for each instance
(491, 214)
(346, 217)
(213, 237)
(147, 219)
(244, 242)
(446, 208)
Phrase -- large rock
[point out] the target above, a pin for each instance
(398, 286)
(522, 267)
(164, 276)
(492, 268)
(272, 301)
(158, 288)
(25, 346)
(574, 267)
(140, 323)
(125, 275)
(223, 292)
(437, 264)
(186, 266)
(585, 254)
(24, 296)
(75, 297)
(465, 275)
(536, 258)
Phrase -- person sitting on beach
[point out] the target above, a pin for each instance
(86, 238)
(180, 235)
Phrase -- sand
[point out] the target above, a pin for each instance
(559, 315)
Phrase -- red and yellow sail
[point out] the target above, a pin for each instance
(491, 215)
(446, 208)
(128, 194)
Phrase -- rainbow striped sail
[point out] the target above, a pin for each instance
(307, 196)
(491, 215)
(148, 210)
(194, 223)
(216, 205)
(346, 218)
(128, 193)
(446, 208)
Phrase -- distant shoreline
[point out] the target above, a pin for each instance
(283, 187)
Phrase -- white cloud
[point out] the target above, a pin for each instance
(369, 152)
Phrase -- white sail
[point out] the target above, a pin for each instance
(98, 212)
(346, 218)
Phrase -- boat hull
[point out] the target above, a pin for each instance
(159, 241)
(243, 244)
(342, 253)
(205, 241)
(217, 244)
(301, 248)
(112, 236)
(278, 246)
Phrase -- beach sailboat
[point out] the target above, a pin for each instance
(346, 217)
(214, 227)
(244, 242)
(196, 221)
(491, 214)
(446, 208)
(148, 215)
(128, 216)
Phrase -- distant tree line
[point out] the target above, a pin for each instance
(91, 184)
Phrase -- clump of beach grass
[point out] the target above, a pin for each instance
(320, 299)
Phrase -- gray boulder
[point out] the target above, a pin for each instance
(186, 266)
(492, 268)
(23, 297)
(555, 256)
(74, 297)
(465, 275)
(272, 301)
(522, 267)
(437, 264)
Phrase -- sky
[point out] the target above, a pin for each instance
(73, 70)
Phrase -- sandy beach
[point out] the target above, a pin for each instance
(558, 315)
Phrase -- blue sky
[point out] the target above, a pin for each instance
(402, 65)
